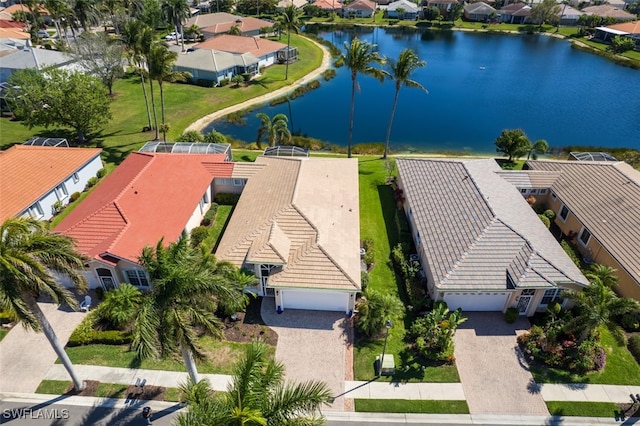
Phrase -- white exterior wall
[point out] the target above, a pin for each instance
(198, 212)
(267, 60)
(47, 201)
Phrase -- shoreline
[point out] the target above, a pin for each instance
(201, 123)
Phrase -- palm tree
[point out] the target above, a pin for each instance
(86, 11)
(59, 10)
(176, 11)
(401, 70)
(235, 30)
(160, 61)
(120, 305)
(184, 295)
(257, 395)
(112, 7)
(374, 308)
(358, 58)
(29, 253)
(138, 38)
(289, 20)
(599, 306)
(603, 274)
(276, 129)
(540, 146)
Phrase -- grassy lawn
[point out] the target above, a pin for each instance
(621, 368)
(582, 409)
(3, 333)
(379, 222)
(221, 356)
(411, 406)
(53, 387)
(184, 104)
(111, 390)
(215, 231)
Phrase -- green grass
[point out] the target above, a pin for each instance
(184, 104)
(411, 406)
(582, 409)
(3, 333)
(111, 390)
(172, 394)
(215, 231)
(378, 212)
(54, 387)
(221, 356)
(621, 368)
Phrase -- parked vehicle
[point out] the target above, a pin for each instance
(172, 36)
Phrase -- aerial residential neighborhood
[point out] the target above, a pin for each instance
(179, 245)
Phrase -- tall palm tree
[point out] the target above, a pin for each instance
(87, 13)
(598, 305)
(112, 7)
(359, 57)
(59, 10)
(400, 72)
(257, 395)
(276, 129)
(29, 253)
(160, 62)
(289, 20)
(138, 38)
(540, 146)
(184, 294)
(176, 11)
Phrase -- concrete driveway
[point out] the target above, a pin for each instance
(313, 345)
(495, 380)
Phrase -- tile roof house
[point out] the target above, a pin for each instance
(328, 5)
(298, 4)
(627, 29)
(266, 51)
(480, 12)
(409, 10)
(297, 227)
(597, 206)
(479, 242)
(212, 24)
(215, 65)
(148, 197)
(515, 13)
(359, 9)
(34, 58)
(608, 11)
(34, 178)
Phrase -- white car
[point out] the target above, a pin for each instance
(172, 36)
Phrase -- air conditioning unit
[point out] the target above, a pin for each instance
(414, 258)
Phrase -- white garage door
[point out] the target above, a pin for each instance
(476, 301)
(315, 300)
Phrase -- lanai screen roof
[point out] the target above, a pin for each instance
(62, 142)
(286, 151)
(591, 156)
(188, 148)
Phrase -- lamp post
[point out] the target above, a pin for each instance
(388, 324)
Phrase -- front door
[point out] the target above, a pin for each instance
(265, 271)
(106, 278)
(524, 300)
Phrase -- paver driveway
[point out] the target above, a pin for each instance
(492, 375)
(312, 345)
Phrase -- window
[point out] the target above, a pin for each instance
(584, 236)
(552, 295)
(35, 211)
(76, 178)
(543, 191)
(528, 292)
(523, 191)
(238, 182)
(137, 277)
(564, 212)
(534, 191)
(61, 192)
(553, 196)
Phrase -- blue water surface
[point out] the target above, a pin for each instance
(479, 84)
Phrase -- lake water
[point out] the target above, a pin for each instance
(478, 84)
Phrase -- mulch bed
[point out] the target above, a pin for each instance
(151, 393)
(249, 326)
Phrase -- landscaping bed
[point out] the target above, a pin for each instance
(110, 390)
(249, 326)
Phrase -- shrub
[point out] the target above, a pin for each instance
(211, 213)
(92, 181)
(634, 347)
(73, 197)
(550, 214)
(374, 308)
(204, 83)
(433, 333)
(101, 173)
(369, 256)
(572, 252)
(82, 337)
(227, 199)
(191, 136)
(215, 137)
(224, 82)
(57, 207)
(545, 220)
(197, 236)
(511, 315)
(630, 322)
(364, 280)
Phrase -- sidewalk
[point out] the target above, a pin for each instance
(354, 389)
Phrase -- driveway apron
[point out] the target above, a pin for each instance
(494, 377)
(26, 356)
(312, 345)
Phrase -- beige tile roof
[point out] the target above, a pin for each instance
(29, 172)
(529, 178)
(246, 170)
(605, 197)
(477, 230)
(304, 211)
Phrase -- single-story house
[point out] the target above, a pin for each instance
(607, 11)
(627, 29)
(266, 51)
(569, 15)
(444, 6)
(479, 12)
(597, 206)
(149, 196)
(298, 4)
(359, 9)
(515, 13)
(618, 4)
(297, 227)
(480, 244)
(34, 58)
(35, 178)
(212, 24)
(328, 5)
(403, 9)
(14, 8)
(215, 65)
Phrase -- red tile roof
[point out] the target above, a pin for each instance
(29, 172)
(240, 44)
(246, 25)
(148, 197)
(632, 27)
(328, 4)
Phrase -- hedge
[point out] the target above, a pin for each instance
(634, 347)
(227, 199)
(82, 337)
